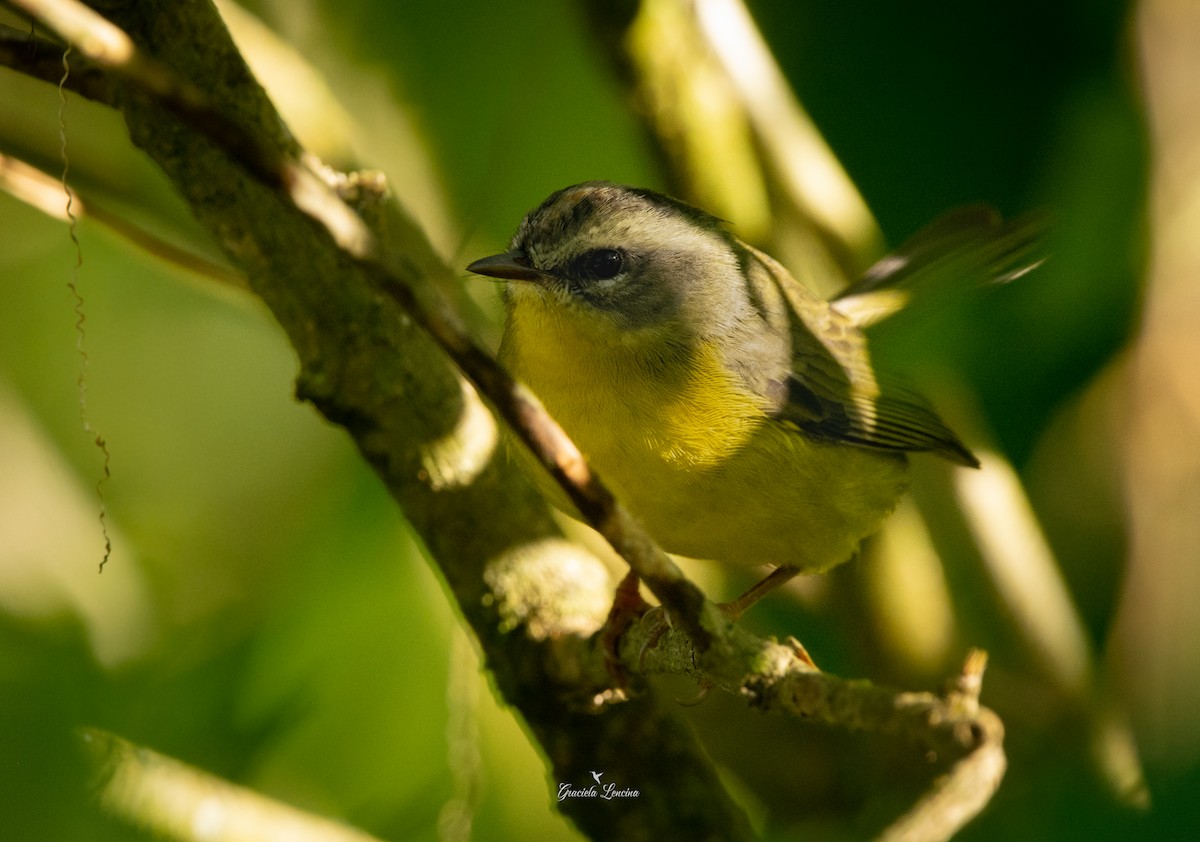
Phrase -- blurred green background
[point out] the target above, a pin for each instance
(266, 616)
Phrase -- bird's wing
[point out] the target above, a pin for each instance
(831, 391)
(967, 246)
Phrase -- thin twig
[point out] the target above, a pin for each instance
(779, 678)
(44, 192)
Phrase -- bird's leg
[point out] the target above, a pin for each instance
(732, 610)
(628, 606)
(778, 576)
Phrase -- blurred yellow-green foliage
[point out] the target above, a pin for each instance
(266, 616)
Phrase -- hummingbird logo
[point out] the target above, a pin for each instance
(607, 792)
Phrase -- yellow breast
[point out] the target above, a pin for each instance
(632, 394)
(691, 452)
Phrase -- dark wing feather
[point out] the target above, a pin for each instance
(901, 421)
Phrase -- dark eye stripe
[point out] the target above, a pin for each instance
(596, 265)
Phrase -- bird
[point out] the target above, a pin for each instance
(735, 412)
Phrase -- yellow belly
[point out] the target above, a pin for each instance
(695, 458)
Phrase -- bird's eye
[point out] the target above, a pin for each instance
(598, 265)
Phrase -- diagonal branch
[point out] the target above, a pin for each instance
(41, 58)
(176, 801)
(45, 192)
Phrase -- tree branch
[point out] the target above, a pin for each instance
(779, 678)
(176, 801)
(41, 58)
(45, 192)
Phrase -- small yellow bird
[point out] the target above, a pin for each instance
(732, 410)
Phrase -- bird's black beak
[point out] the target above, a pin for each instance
(510, 266)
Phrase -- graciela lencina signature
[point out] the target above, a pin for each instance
(600, 789)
